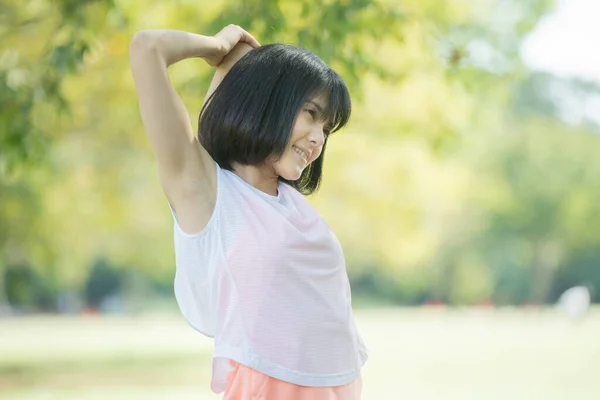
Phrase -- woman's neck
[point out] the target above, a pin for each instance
(261, 177)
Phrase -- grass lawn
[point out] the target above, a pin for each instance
(414, 354)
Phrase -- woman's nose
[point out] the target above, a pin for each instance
(317, 136)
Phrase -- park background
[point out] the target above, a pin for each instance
(465, 193)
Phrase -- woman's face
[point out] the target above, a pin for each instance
(306, 143)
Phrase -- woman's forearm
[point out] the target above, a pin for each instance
(172, 46)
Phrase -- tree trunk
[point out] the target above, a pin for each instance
(545, 265)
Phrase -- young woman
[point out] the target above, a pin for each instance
(257, 268)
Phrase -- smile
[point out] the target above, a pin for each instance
(301, 153)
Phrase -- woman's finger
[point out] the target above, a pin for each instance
(234, 34)
(248, 38)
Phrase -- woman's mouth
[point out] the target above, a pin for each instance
(301, 153)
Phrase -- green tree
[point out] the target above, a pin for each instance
(423, 75)
(41, 45)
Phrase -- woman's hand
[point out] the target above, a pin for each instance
(227, 39)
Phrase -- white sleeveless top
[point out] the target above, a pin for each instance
(267, 279)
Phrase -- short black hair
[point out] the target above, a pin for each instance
(251, 114)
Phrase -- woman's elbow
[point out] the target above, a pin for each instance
(142, 41)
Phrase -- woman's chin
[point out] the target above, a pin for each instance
(291, 174)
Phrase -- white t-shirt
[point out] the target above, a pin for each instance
(267, 279)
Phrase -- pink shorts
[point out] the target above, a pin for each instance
(244, 383)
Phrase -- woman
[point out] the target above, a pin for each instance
(257, 268)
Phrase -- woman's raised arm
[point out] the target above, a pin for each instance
(164, 115)
(185, 168)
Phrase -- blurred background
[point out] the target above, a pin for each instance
(465, 192)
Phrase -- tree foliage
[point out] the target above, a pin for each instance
(459, 178)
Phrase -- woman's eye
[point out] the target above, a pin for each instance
(311, 112)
